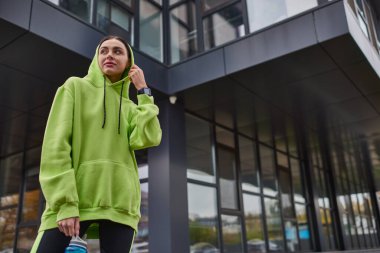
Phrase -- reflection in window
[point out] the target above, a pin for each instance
(274, 227)
(151, 30)
(209, 4)
(7, 228)
(203, 223)
(103, 16)
(10, 179)
(303, 227)
(183, 32)
(262, 13)
(26, 236)
(253, 223)
(223, 26)
(80, 8)
(227, 177)
(299, 195)
(141, 241)
(268, 171)
(31, 199)
(198, 150)
(232, 236)
(120, 17)
(248, 167)
(286, 193)
(291, 236)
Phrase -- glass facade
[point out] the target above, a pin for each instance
(262, 178)
(193, 26)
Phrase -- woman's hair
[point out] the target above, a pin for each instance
(110, 37)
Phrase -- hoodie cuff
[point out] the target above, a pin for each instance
(145, 99)
(68, 210)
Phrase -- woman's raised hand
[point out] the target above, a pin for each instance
(137, 77)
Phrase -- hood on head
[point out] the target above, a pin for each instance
(96, 76)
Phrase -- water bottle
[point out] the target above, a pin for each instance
(77, 245)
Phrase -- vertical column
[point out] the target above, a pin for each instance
(168, 207)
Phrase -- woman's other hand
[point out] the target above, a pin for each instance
(69, 226)
(137, 77)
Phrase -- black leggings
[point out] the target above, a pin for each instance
(113, 238)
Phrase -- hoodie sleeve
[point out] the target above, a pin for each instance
(145, 130)
(57, 176)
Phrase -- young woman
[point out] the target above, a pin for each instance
(88, 170)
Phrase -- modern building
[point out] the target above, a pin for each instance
(270, 111)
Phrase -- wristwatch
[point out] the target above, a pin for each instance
(146, 91)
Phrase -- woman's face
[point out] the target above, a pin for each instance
(113, 59)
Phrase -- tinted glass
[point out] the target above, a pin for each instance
(120, 17)
(227, 178)
(26, 237)
(262, 13)
(223, 26)
(209, 4)
(198, 150)
(268, 171)
(203, 222)
(248, 165)
(232, 236)
(183, 33)
(253, 223)
(151, 30)
(274, 227)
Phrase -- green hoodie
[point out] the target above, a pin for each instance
(88, 166)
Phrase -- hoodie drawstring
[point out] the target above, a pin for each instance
(121, 99)
(104, 104)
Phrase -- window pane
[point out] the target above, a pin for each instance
(303, 227)
(223, 26)
(297, 181)
(248, 166)
(31, 199)
(80, 8)
(143, 171)
(209, 4)
(183, 32)
(10, 179)
(103, 15)
(7, 228)
(203, 221)
(273, 218)
(198, 150)
(26, 237)
(127, 2)
(268, 170)
(120, 17)
(286, 192)
(232, 236)
(262, 13)
(151, 30)
(253, 223)
(141, 241)
(227, 177)
(291, 236)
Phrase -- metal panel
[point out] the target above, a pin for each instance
(53, 24)
(16, 12)
(272, 43)
(331, 21)
(201, 69)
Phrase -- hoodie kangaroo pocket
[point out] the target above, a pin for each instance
(108, 184)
